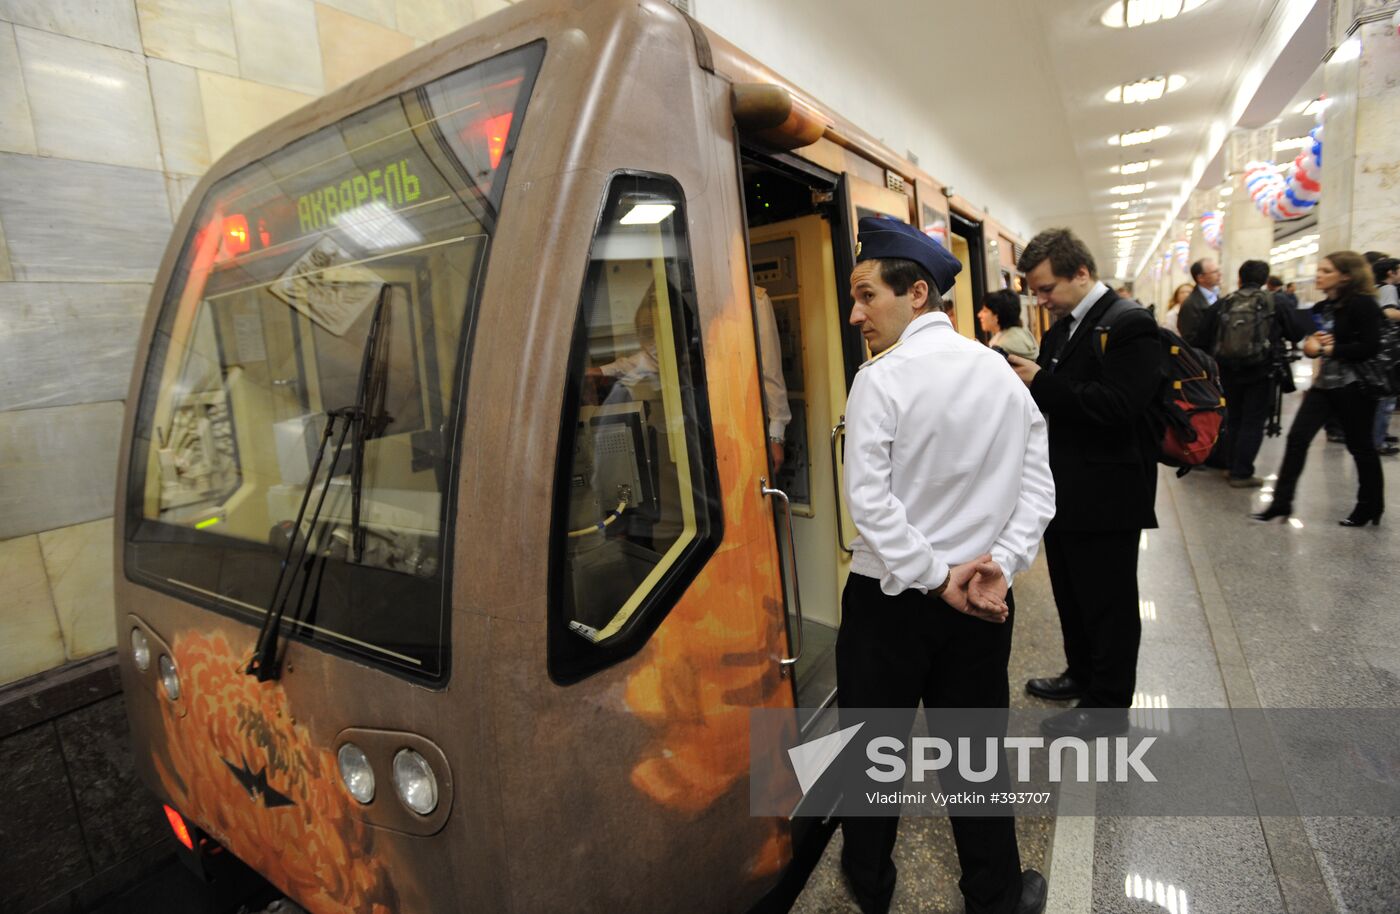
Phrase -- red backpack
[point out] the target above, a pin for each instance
(1190, 404)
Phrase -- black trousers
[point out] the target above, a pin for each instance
(893, 652)
(1094, 579)
(1356, 413)
(1247, 399)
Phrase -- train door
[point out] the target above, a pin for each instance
(796, 230)
(971, 283)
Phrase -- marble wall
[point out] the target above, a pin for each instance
(110, 110)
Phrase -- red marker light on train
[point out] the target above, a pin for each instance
(497, 129)
(236, 240)
(177, 825)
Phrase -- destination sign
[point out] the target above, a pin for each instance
(394, 183)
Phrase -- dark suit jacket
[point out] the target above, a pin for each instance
(1197, 320)
(1103, 442)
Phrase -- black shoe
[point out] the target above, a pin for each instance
(1389, 450)
(1034, 891)
(1336, 439)
(1055, 688)
(1360, 517)
(1273, 511)
(1086, 723)
(1391, 439)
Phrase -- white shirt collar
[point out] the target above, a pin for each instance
(927, 319)
(1211, 295)
(1086, 303)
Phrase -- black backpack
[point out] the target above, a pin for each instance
(1244, 329)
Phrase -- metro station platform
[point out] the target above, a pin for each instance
(1236, 614)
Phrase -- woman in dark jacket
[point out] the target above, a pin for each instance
(1349, 333)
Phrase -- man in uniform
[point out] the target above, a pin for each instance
(949, 487)
(1094, 386)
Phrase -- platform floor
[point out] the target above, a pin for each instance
(1236, 614)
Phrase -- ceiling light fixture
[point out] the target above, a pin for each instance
(1136, 168)
(1134, 13)
(1295, 142)
(1121, 204)
(1124, 190)
(1145, 90)
(1138, 137)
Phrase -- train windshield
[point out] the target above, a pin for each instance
(331, 285)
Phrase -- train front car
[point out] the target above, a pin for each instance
(445, 582)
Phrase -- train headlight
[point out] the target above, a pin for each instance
(140, 649)
(415, 781)
(169, 678)
(356, 772)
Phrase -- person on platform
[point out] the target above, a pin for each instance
(1349, 333)
(1095, 395)
(949, 488)
(1171, 320)
(1000, 318)
(1197, 320)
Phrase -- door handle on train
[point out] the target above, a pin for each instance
(792, 564)
(839, 431)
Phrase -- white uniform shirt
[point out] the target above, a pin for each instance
(775, 398)
(946, 459)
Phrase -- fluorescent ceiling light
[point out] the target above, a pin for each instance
(1295, 142)
(1121, 204)
(648, 213)
(1145, 90)
(1124, 190)
(1134, 13)
(1138, 137)
(1136, 168)
(376, 227)
(1226, 191)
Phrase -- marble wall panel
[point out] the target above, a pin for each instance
(67, 221)
(351, 47)
(88, 101)
(6, 274)
(277, 43)
(78, 560)
(179, 188)
(1379, 67)
(58, 467)
(429, 19)
(487, 7)
(1377, 151)
(67, 343)
(184, 142)
(380, 12)
(16, 127)
(194, 32)
(236, 108)
(109, 22)
(33, 641)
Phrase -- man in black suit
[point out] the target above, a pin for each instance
(1095, 395)
(1197, 320)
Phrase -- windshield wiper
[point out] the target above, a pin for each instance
(367, 417)
(264, 663)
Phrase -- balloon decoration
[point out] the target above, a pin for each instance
(1211, 223)
(1181, 250)
(1287, 198)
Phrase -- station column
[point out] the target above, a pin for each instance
(1247, 233)
(1361, 139)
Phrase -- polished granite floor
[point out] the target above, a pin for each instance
(1235, 614)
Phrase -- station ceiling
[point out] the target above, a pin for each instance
(1006, 99)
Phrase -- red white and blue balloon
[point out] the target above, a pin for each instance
(1211, 224)
(1287, 198)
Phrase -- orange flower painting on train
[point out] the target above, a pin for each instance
(703, 673)
(241, 767)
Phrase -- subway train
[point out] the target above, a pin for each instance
(450, 557)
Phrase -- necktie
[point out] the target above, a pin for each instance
(1064, 341)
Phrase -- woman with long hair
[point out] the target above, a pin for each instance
(1173, 314)
(1348, 333)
